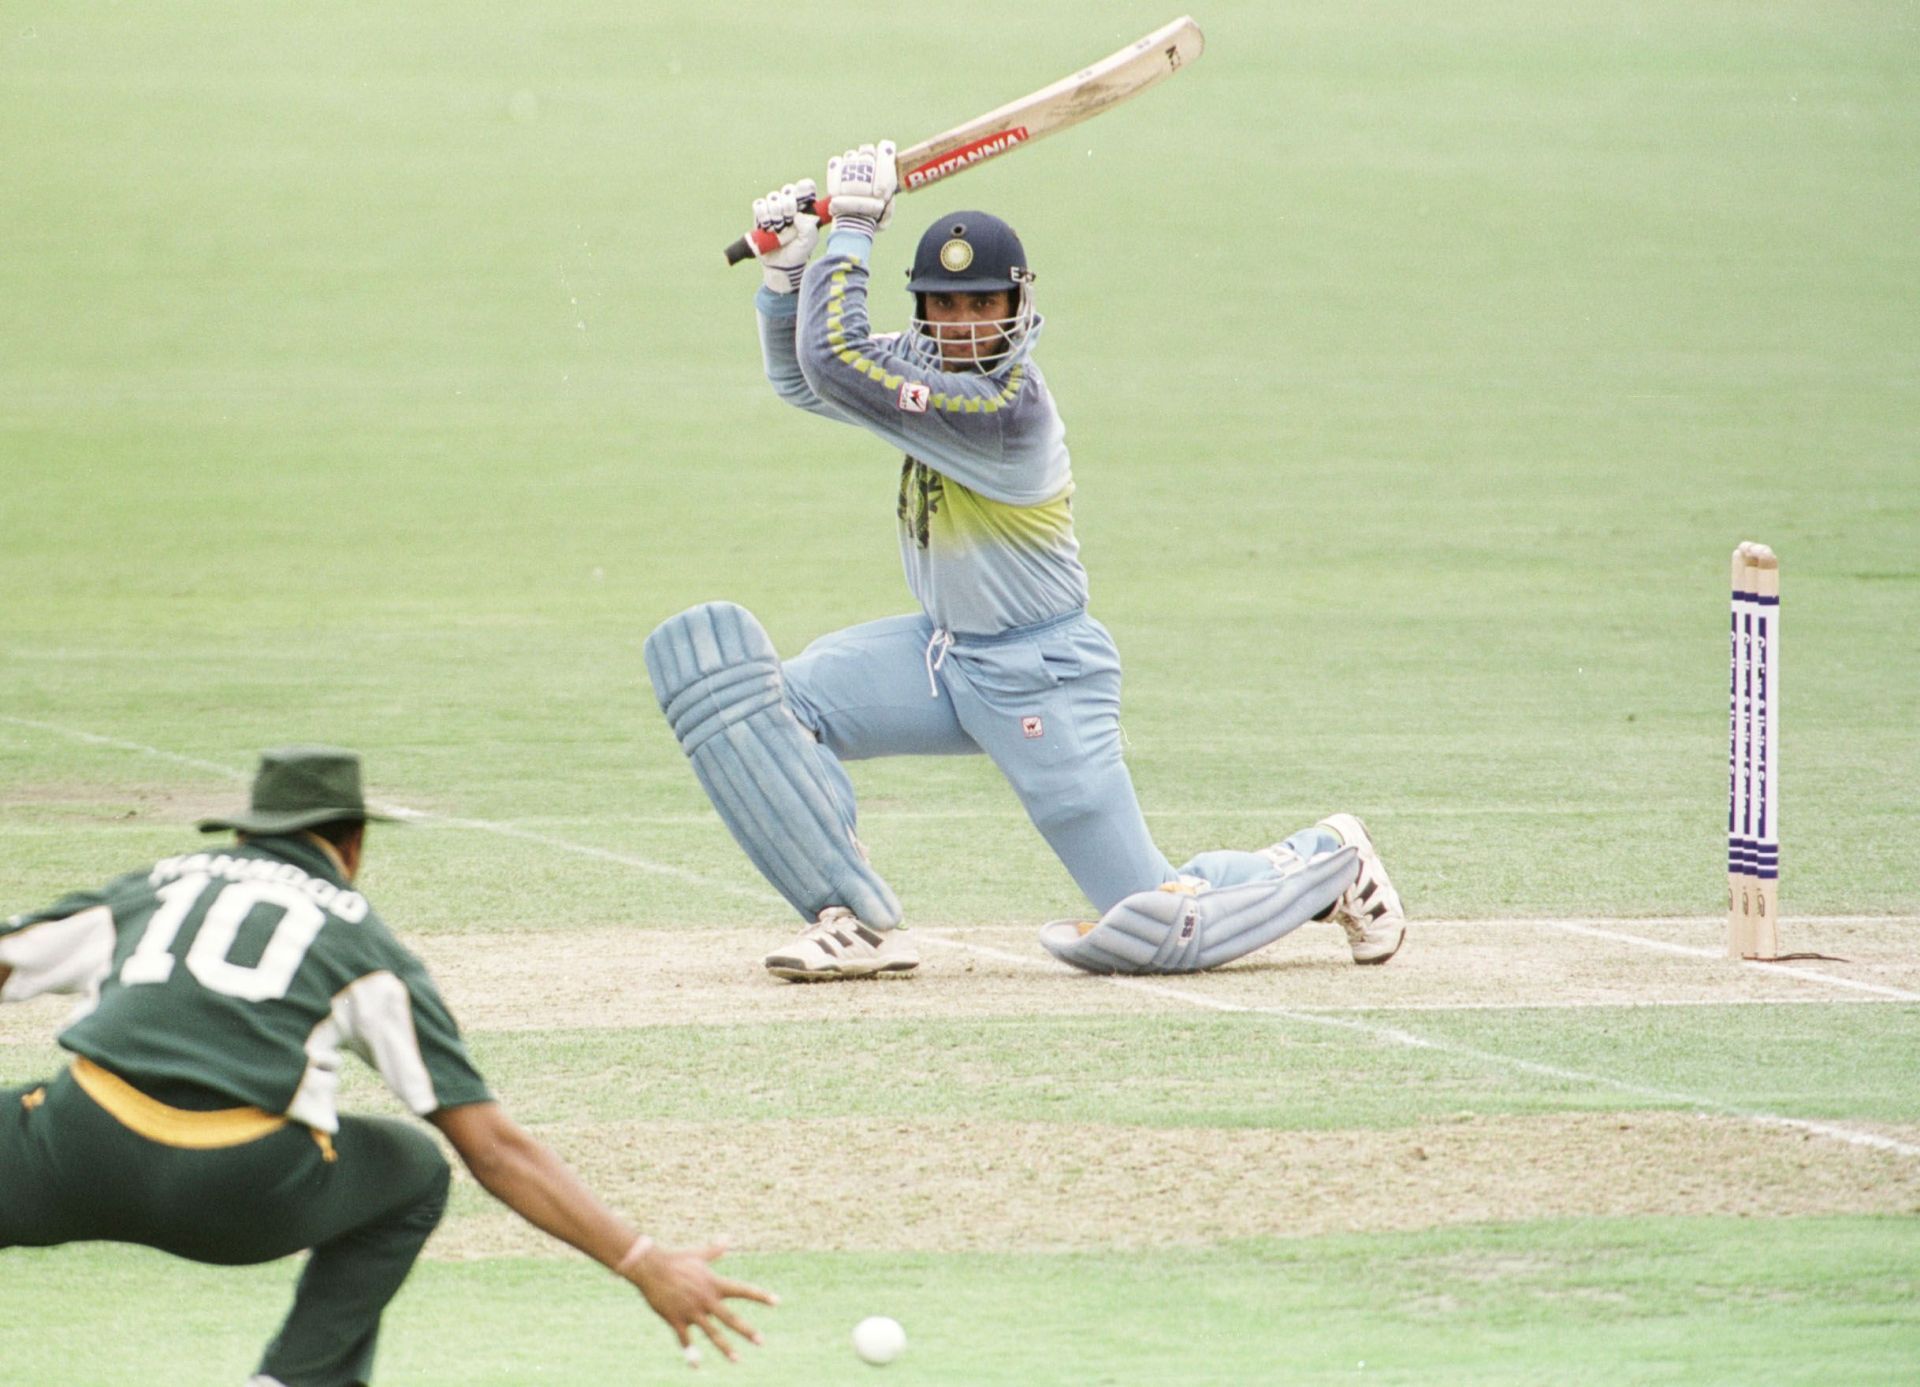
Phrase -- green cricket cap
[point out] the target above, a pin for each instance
(297, 787)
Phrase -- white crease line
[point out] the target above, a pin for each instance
(1393, 1034)
(95, 739)
(426, 818)
(1771, 969)
(1014, 814)
(1618, 1004)
(1694, 921)
(730, 888)
(1666, 946)
(422, 816)
(1407, 1038)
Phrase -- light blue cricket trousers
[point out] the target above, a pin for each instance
(1043, 701)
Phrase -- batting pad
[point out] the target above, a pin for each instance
(718, 680)
(1173, 930)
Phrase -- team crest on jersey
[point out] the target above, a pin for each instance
(921, 492)
(1032, 728)
(914, 396)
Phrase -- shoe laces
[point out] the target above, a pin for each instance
(835, 919)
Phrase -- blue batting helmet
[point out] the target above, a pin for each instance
(968, 252)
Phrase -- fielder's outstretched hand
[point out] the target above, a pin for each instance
(795, 232)
(860, 186)
(683, 1290)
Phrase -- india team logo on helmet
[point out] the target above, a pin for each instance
(973, 253)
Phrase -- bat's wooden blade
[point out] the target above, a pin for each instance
(1069, 101)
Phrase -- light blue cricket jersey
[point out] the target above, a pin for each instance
(985, 503)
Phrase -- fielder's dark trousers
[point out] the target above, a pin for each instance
(69, 1172)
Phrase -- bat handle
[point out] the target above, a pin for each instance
(757, 242)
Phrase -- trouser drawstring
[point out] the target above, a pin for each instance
(941, 642)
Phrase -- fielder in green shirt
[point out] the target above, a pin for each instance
(218, 992)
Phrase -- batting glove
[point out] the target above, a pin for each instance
(860, 187)
(786, 214)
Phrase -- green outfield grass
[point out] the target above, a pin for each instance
(1789, 1303)
(1193, 1071)
(370, 374)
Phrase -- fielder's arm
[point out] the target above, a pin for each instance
(520, 1171)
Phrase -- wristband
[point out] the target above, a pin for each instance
(782, 279)
(642, 1245)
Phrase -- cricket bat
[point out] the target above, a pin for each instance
(1116, 78)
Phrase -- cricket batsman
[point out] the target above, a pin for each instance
(1002, 658)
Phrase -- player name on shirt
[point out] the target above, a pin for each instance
(350, 906)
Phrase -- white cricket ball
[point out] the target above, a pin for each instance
(878, 1340)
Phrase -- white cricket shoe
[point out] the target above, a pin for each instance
(837, 945)
(1369, 910)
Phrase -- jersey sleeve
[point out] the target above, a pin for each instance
(66, 947)
(996, 434)
(405, 1031)
(394, 1018)
(777, 314)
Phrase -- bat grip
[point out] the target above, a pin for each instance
(758, 242)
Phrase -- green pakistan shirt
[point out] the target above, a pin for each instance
(247, 973)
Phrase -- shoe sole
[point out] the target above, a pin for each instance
(1375, 962)
(791, 971)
